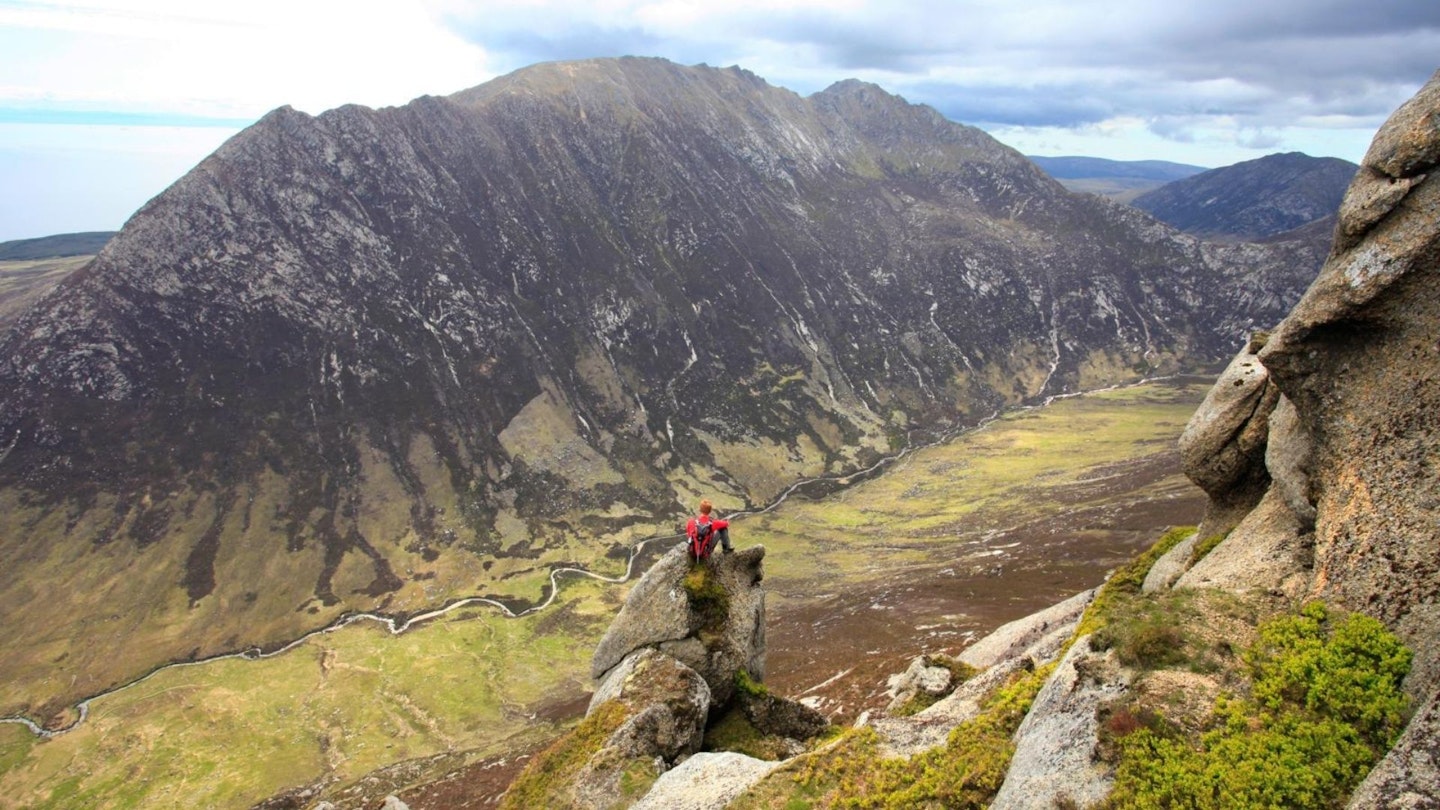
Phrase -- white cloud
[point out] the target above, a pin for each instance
(228, 60)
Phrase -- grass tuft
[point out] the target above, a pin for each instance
(550, 773)
(1124, 585)
(1205, 546)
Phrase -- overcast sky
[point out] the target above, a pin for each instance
(104, 103)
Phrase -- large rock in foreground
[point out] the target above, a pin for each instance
(1353, 513)
(715, 624)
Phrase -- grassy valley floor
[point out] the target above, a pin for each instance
(944, 546)
(963, 537)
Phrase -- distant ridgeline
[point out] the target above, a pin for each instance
(376, 359)
(1120, 180)
(1255, 199)
(55, 247)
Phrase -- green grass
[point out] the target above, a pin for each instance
(1021, 468)
(1204, 547)
(230, 733)
(545, 779)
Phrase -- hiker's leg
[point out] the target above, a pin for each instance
(710, 543)
(725, 539)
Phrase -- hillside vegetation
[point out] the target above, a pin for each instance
(475, 685)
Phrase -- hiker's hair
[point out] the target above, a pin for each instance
(705, 507)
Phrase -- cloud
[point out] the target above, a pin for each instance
(1059, 63)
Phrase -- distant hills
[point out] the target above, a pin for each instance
(59, 246)
(1120, 180)
(1254, 199)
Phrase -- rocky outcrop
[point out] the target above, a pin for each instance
(687, 646)
(922, 678)
(1054, 763)
(1267, 551)
(714, 624)
(1360, 358)
(1029, 637)
(1348, 504)
(1171, 566)
(706, 781)
(1223, 446)
(669, 704)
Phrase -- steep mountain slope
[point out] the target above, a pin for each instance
(1253, 199)
(378, 358)
(1120, 180)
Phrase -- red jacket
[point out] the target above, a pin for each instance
(715, 525)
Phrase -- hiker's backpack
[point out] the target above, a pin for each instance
(700, 540)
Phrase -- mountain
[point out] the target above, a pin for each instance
(378, 359)
(1237, 659)
(1120, 180)
(1253, 199)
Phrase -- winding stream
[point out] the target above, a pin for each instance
(815, 488)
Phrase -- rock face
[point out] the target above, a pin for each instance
(1253, 199)
(1054, 762)
(664, 612)
(706, 781)
(1352, 509)
(1223, 446)
(368, 359)
(1360, 359)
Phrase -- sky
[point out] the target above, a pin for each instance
(105, 103)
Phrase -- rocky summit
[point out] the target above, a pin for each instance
(377, 359)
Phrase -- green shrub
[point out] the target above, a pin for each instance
(1325, 704)
(1348, 668)
(746, 684)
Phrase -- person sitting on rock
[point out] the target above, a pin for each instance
(703, 532)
